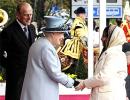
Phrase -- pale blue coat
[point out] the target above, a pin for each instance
(43, 73)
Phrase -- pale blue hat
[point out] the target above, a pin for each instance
(54, 24)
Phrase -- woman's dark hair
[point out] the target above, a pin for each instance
(107, 32)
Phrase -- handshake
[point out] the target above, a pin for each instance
(76, 83)
(79, 84)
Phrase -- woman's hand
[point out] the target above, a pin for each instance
(80, 86)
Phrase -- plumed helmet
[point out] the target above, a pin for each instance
(54, 24)
(80, 10)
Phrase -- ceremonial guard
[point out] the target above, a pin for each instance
(71, 51)
(126, 25)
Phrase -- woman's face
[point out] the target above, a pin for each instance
(104, 37)
(58, 38)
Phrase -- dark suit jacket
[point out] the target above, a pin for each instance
(14, 42)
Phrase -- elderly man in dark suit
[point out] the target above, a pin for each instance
(16, 40)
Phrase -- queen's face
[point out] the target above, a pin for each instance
(58, 38)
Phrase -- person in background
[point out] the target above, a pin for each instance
(118, 22)
(36, 27)
(110, 70)
(96, 41)
(79, 30)
(55, 8)
(76, 46)
(44, 68)
(126, 49)
(97, 29)
(79, 27)
(16, 43)
(95, 35)
(126, 25)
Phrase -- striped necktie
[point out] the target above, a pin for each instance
(26, 31)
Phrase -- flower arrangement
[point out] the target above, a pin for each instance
(2, 74)
(74, 76)
(1, 78)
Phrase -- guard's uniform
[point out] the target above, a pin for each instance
(79, 36)
(71, 51)
(126, 27)
(79, 28)
(78, 41)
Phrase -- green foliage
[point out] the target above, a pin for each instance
(2, 74)
(82, 69)
(112, 21)
(41, 8)
(78, 69)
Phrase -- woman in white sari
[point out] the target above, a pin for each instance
(108, 81)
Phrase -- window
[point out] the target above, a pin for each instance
(109, 1)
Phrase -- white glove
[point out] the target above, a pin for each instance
(70, 83)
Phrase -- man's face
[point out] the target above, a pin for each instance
(82, 15)
(128, 59)
(128, 18)
(25, 15)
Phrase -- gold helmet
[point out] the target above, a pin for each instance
(3, 17)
